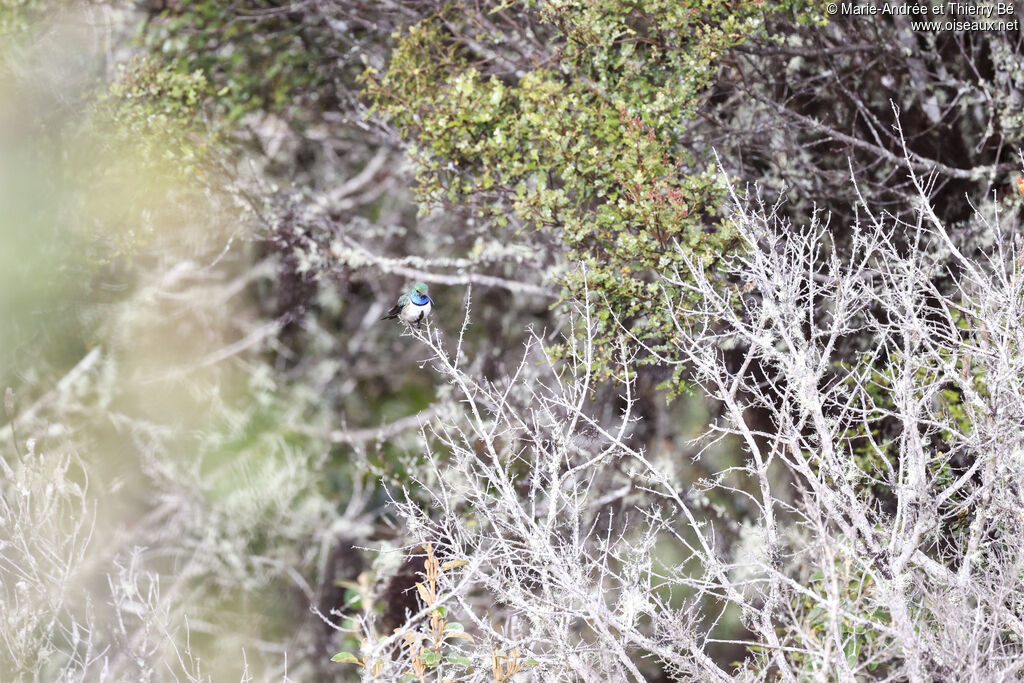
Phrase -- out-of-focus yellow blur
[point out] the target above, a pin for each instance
(124, 323)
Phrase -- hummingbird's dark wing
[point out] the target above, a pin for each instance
(396, 309)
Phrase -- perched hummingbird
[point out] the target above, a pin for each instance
(413, 306)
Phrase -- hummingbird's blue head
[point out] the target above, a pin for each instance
(419, 290)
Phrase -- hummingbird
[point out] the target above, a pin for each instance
(413, 307)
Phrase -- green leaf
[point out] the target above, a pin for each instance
(352, 598)
(460, 660)
(850, 649)
(345, 658)
(432, 658)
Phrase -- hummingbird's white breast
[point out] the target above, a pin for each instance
(413, 313)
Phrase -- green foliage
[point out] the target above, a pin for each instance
(148, 145)
(589, 144)
(877, 446)
(160, 114)
(258, 55)
(850, 587)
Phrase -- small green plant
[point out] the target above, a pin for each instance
(425, 644)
